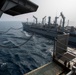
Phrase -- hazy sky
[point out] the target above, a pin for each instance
(49, 8)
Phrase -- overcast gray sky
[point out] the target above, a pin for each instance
(49, 8)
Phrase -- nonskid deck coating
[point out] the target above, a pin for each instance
(48, 69)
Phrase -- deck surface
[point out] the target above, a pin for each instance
(48, 69)
(54, 69)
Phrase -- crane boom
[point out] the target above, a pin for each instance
(35, 19)
(43, 20)
(63, 17)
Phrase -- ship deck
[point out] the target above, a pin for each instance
(48, 69)
(53, 68)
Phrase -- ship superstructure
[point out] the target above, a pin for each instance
(51, 29)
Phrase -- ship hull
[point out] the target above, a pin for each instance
(49, 34)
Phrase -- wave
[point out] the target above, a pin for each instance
(17, 61)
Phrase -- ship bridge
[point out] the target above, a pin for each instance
(17, 7)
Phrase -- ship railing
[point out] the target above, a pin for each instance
(65, 56)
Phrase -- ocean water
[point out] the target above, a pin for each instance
(20, 51)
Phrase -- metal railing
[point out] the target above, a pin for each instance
(66, 59)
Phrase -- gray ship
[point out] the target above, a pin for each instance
(51, 30)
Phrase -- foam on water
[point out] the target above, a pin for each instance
(17, 61)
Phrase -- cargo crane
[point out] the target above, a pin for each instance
(43, 20)
(35, 19)
(61, 14)
(49, 21)
(55, 22)
(17, 7)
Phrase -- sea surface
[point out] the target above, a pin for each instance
(20, 51)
